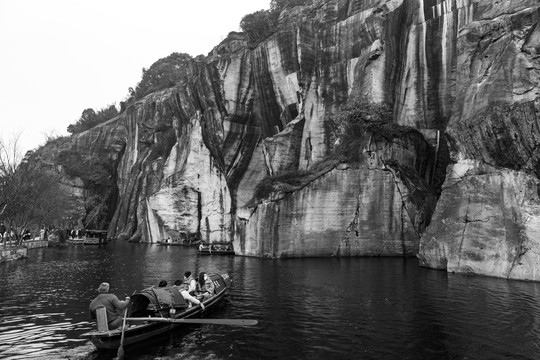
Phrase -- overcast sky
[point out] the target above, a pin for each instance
(59, 57)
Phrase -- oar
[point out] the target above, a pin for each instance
(238, 322)
(120, 354)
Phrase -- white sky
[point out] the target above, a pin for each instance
(59, 57)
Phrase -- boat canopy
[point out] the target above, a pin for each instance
(154, 299)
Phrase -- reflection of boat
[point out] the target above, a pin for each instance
(155, 304)
(88, 237)
(216, 249)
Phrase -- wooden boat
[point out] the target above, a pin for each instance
(95, 237)
(76, 240)
(175, 243)
(154, 305)
(216, 249)
(89, 237)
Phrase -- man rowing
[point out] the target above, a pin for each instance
(112, 304)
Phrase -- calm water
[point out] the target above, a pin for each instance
(362, 308)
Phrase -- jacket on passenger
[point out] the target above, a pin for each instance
(192, 284)
(209, 286)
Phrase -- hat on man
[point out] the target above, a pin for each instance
(103, 287)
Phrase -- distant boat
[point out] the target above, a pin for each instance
(76, 240)
(182, 239)
(216, 249)
(89, 237)
(95, 237)
(176, 243)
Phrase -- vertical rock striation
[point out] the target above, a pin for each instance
(485, 221)
(464, 73)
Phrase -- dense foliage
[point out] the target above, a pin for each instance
(258, 25)
(349, 129)
(89, 118)
(361, 118)
(95, 174)
(30, 193)
(262, 23)
(164, 73)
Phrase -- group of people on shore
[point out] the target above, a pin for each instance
(10, 234)
(194, 293)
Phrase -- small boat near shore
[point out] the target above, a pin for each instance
(176, 243)
(89, 237)
(154, 311)
(216, 249)
(95, 237)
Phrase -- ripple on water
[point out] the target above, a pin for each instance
(307, 308)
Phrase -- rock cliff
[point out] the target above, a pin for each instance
(486, 219)
(464, 73)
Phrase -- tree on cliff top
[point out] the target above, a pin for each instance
(260, 24)
(89, 118)
(164, 73)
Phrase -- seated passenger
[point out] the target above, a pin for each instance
(162, 283)
(189, 279)
(185, 287)
(207, 286)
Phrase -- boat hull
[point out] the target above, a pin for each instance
(76, 241)
(94, 241)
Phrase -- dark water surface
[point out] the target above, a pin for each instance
(361, 308)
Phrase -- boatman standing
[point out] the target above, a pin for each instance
(113, 305)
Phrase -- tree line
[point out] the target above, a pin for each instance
(168, 71)
(260, 24)
(31, 195)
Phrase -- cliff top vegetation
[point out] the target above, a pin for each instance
(170, 70)
(162, 74)
(90, 118)
(351, 127)
(260, 24)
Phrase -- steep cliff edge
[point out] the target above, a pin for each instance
(462, 72)
(486, 220)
